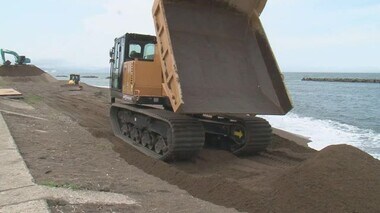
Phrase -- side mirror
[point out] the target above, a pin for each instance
(112, 50)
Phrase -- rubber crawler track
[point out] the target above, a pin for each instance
(187, 133)
(258, 135)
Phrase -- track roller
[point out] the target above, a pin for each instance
(158, 133)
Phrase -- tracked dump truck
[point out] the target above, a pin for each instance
(204, 77)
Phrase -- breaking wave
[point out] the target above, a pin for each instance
(323, 133)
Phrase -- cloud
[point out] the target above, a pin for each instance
(89, 47)
(117, 18)
(320, 33)
(120, 17)
(341, 33)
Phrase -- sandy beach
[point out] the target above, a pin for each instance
(66, 140)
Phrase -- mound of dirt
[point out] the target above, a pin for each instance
(338, 179)
(25, 73)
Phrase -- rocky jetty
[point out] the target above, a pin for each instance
(90, 76)
(351, 80)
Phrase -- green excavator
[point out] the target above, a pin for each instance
(19, 59)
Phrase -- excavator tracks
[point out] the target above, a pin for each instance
(161, 134)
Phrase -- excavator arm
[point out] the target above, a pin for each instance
(2, 53)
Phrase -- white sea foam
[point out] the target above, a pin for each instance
(101, 86)
(326, 132)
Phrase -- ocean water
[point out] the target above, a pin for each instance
(326, 112)
(334, 112)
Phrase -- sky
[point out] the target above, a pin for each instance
(305, 35)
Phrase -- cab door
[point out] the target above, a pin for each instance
(117, 60)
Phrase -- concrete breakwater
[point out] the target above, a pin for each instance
(352, 80)
(89, 76)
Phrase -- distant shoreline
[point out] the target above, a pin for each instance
(349, 80)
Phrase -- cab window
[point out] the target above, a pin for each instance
(149, 52)
(135, 51)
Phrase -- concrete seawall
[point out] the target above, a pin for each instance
(350, 80)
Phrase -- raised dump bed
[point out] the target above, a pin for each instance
(216, 58)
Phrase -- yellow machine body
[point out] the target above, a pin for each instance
(143, 78)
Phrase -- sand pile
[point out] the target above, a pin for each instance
(25, 73)
(337, 179)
